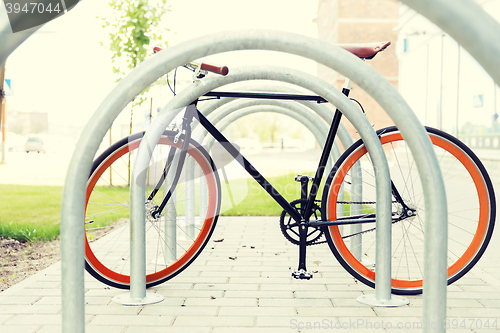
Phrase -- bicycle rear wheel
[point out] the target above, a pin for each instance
(174, 240)
(470, 200)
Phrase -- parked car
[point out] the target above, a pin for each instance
(35, 143)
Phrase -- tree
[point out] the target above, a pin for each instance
(133, 25)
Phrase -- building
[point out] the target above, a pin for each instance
(361, 21)
(25, 123)
(444, 85)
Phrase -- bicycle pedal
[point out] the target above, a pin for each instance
(302, 275)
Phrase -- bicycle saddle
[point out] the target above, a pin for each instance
(365, 50)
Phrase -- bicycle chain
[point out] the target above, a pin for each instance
(316, 242)
(356, 234)
(357, 202)
(361, 202)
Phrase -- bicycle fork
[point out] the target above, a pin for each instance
(186, 129)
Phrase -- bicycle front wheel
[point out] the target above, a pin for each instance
(470, 203)
(174, 239)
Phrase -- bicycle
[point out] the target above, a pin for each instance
(178, 230)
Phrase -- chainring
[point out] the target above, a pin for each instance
(290, 228)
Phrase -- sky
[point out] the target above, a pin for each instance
(64, 71)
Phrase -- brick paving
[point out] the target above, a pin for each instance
(254, 293)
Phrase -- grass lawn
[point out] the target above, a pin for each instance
(258, 202)
(32, 213)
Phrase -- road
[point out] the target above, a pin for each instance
(51, 168)
(35, 168)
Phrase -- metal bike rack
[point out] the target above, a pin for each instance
(447, 14)
(9, 41)
(147, 72)
(231, 112)
(319, 130)
(382, 295)
(242, 108)
(137, 285)
(479, 52)
(304, 116)
(319, 133)
(323, 112)
(170, 221)
(480, 39)
(320, 109)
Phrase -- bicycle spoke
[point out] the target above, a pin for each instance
(463, 183)
(104, 195)
(108, 211)
(162, 246)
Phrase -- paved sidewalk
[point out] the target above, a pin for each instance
(253, 293)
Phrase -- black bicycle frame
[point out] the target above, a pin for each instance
(257, 175)
(192, 112)
(301, 219)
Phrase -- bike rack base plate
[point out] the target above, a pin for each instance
(395, 300)
(127, 299)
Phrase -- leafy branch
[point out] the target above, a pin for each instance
(133, 26)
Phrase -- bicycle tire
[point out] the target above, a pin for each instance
(107, 259)
(471, 219)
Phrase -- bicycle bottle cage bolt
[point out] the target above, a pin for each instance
(299, 178)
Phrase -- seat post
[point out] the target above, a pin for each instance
(347, 86)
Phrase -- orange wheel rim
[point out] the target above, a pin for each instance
(463, 260)
(191, 251)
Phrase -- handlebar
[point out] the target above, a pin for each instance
(221, 70)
